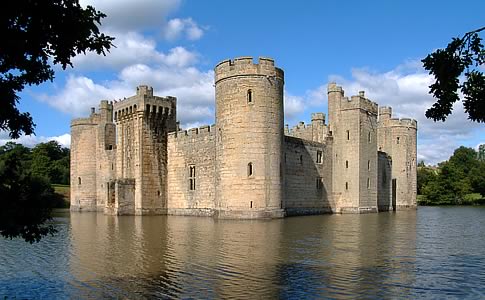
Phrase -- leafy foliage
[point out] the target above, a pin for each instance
(462, 55)
(460, 180)
(27, 197)
(33, 33)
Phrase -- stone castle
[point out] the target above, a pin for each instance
(131, 158)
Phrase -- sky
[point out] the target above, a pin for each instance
(173, 45)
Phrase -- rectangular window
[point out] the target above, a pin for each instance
(192, 177)
(368, 183)
(319, 157)
(368, 165)
(348, 135)
(319, 183)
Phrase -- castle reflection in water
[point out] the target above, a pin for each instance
(189, 257)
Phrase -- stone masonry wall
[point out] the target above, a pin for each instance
(384, 181)
(308, 177)
(193, 148)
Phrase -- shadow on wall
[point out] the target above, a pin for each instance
(307, 177)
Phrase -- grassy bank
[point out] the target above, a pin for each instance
(468, 199)
(64, 192)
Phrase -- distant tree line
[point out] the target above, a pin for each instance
(459, 180)
(26, 193)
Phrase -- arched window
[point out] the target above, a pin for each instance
(250, 169)
(346, 164)
(79, 180)
(250, 96)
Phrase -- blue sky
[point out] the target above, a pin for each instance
(173, 45)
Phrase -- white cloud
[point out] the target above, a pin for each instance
(32, 140)
(177, 28)
(294, 106)
(194, 91)
(134, 48)
(130, 14)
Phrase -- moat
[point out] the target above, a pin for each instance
(434, 252)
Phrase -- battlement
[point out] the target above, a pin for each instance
(193, 133)
(403, 122)
(83, 121)
(144, 102)
(245, 66)
(318, 117)
(359, 102)
(143, 90)
(334, 88)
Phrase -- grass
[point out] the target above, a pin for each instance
(64, 192)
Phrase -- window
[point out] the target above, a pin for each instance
(346, 164)
(348, 135)
(397, 140)
(319, 157)
(301, 159)
(192, 177)
(79, 180)
(250, 96)
(368, 183)
(251, 204)
(319, 183)
(368, 165)
(346, 186)
(250, 169)
(368, 137)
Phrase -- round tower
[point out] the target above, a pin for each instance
(403, 134)
(83, 164)
(249, 144)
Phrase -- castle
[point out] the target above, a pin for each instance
(131, 158)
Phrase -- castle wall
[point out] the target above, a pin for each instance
(317, 131)
(308, 177)
(384, 181)
(194, 148)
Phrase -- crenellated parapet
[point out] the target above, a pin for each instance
(193, 134)
(244, 66)
(359, 102)
(145, 103)
(403, 122)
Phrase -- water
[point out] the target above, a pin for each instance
(435, 252)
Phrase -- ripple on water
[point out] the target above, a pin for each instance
(432, 253)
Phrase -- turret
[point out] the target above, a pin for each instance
(249, 143)
(397, 138)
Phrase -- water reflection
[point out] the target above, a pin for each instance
(184, 257)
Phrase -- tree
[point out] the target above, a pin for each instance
(36, 34)
(462, 55)
(33, 34)
(26, 200)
